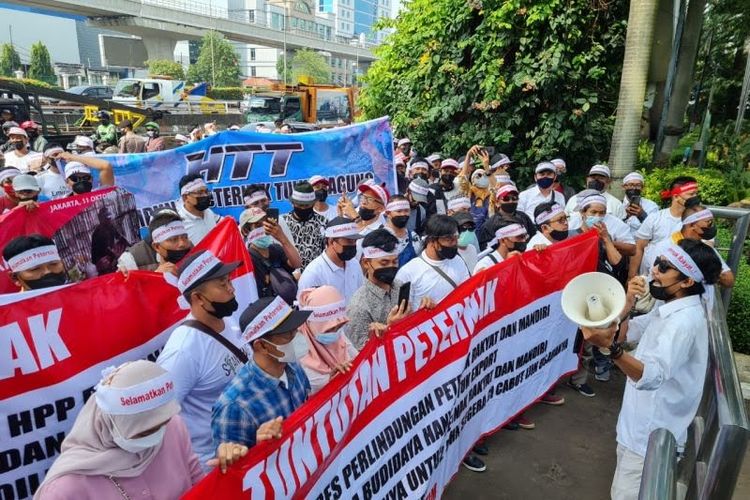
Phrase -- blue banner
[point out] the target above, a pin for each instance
(231, 160)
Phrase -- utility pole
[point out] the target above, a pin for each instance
(213, 34)
(286, 20)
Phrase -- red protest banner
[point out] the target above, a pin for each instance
(54, 345)
(415, 402)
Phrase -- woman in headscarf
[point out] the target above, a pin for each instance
(330, 352)
(127, 441)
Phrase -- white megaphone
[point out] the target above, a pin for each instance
(593, 300)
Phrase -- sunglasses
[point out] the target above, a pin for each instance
(663, 265)
(80, 178)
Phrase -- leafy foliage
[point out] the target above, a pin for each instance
(305, 64)
(738, 316)
(165, 67)
(40, 66)
(714, 187)
(534, 78)
(10, 61)
(217, 63)
(226, 93)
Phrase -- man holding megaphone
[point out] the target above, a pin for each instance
(666, 372)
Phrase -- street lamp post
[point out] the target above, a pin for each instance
(286, 19)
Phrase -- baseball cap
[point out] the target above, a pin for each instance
(505, 190)
(378, 191)
(600, 170)
(449, 163)
(462, 218)
(17, 131)
(270, 315)
(25, 182)
(500, 160)
(560, 164)
(201, 267)
(545, 166)
(251, 215)
(419, 190)
(342, 227)
(318, 178)
(403, 141)
(152, 125)
(74, 167)
(83, 142)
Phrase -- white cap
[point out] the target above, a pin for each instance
(433, 157)
(83, 141)
(403, 141)
(75, 167)
(544, 167)
(17, 131)
(316, 179)
(181, 138)
(633, 177)
(560, 164)
(600, 170)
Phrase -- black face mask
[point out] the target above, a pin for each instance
(303, 214)
(174, 256)
(519, 246)
(545, 182)
(321, 195)
(347, 253)
(509, 208)
(47, 281)
(385, 274)
(447, 253)
(202, 203)
(660, 292)
(33, 198)
(400, 221)
(82, 187)
(709, 233)
(366, 213)
(693, 201)
(421, 176)
(447, 180)
(223, 309)
(633, 193)
(18, 145)
(558, 235)
(595, 184)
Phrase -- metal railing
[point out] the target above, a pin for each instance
(718, 436)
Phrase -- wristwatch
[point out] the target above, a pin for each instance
(616, 351)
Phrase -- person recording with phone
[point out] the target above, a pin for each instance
(637, 208)
(666, 372)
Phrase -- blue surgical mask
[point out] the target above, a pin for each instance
(263, 242)
(467, 238)
(327, 338)
(591, 220)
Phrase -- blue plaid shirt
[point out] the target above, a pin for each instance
(254, 397)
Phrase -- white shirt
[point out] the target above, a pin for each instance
(52, 185)
(426, 282)
(330, 213)
(618, 230)
(673, 348)
(531, 198)
(648, 207)
(197, 227)
(322, 271)
(201, 368)
(469, 254)
(487, 261)
(20, 162)
(537, 239)
(657, 226)
(614, 206)
(376, 223)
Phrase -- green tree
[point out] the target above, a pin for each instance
(534, 78)
(40, 66)
(9, 60)
(307, 63)
(165, 67)
(217, 64)
(280, 68)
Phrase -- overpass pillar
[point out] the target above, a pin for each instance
(159, 48)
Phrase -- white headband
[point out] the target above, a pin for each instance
(192, 186)
(33, 257)
(702, 215)
(342, 230)
(268, 319)
(683, 262)
(549, 214)
(417, 189)
(633, 176)
(499, 163)
(397, 205)
(591, 199)
(502, 178)
(135, 399)
(255, 235)
(302, 197)
(196, 270)
(377, 253)
(510, 231)
(458, 203)
(256, 196)
(419, 164)
(163, 233)
(328, 312)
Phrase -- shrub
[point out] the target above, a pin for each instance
(226, 93)
(738, 317)
(715, 189)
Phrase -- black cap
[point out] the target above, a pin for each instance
(293, 321)
(219, 270)
(462, 218)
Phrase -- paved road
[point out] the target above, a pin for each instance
(570, 454)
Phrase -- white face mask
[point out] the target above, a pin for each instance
(292, 351)
(136, 445)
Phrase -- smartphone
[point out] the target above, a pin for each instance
(403, 293)
(635, 200)
(490, 150)
(273, 213)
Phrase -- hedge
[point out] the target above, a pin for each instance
(715, 189)
(738, 317)
(226, 93)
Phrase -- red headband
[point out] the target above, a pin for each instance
(683, 188)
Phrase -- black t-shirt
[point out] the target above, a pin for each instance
(262, 268)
